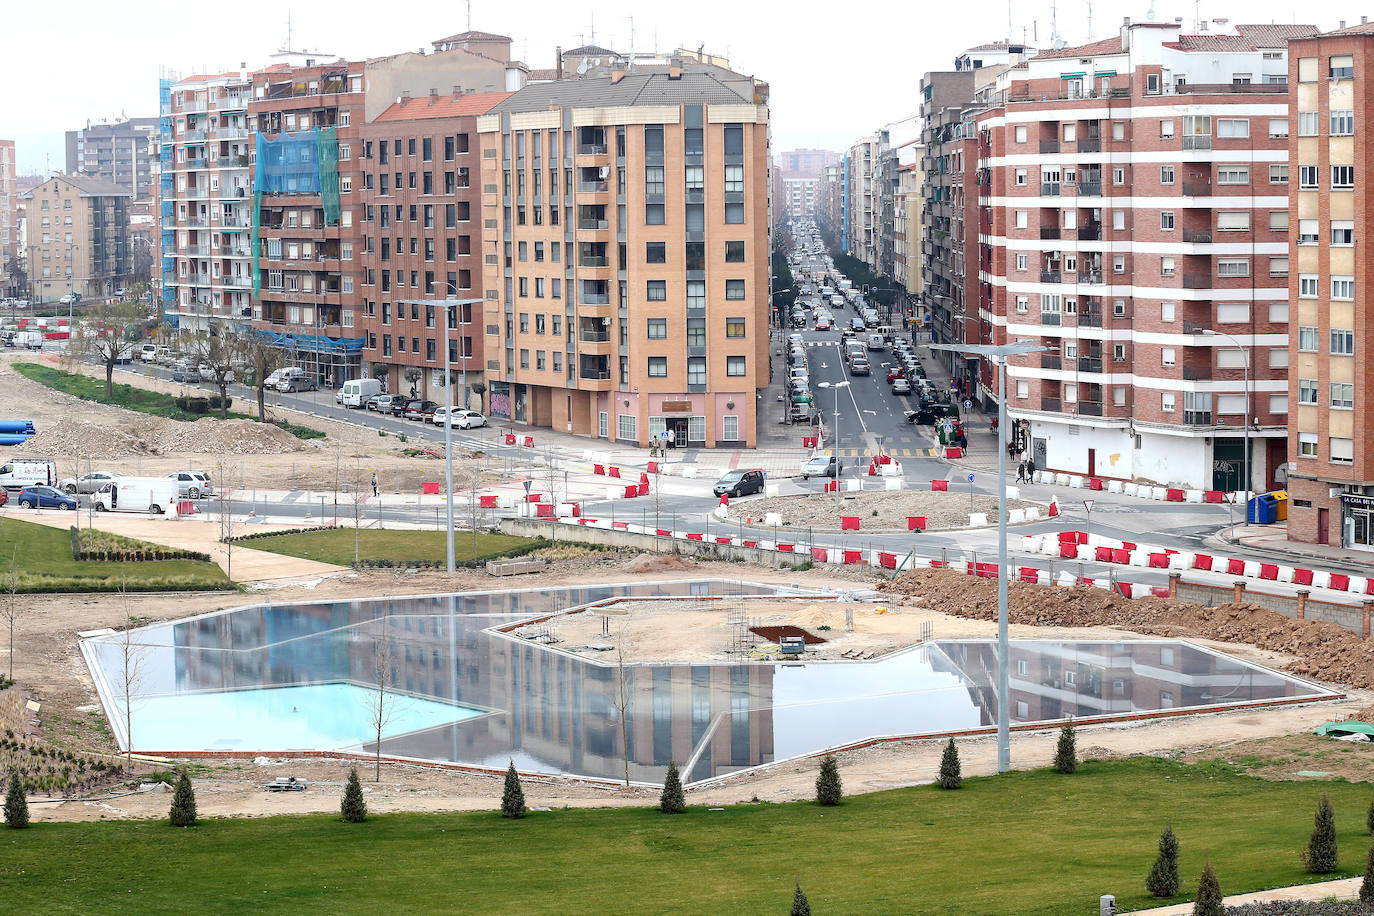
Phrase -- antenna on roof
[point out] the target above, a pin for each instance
(469, 15)
(632, 41)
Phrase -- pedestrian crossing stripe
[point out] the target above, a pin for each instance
(894, 452)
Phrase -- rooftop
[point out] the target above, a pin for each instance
(659, 88)
(442, 106)
(471, 36)
(93, 187)
(1105, 46)
(1275, 35)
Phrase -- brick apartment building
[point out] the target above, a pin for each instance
(1134, 218)
(9, 219)
(626, 257)
(423, 241)
(78, 238)
(122, 152)
(1330, 439)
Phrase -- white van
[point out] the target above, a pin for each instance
(356, 392)
(876, 342)
(147, 353)
(137, 494)
(28, 472)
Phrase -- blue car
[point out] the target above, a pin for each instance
(45, 498)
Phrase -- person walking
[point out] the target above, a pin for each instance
(374, 484)
(672, 437)
(1030, 470)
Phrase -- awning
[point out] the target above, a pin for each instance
(1097, 73)
(1072, 76)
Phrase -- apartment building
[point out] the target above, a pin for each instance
(1330, 441)
(423, 241)
(123, 152)
(798, 197)
(830, 192)
(78, 238)
(910, 190)
(861, 202)
(1134, 220)
(805, 163)
(626, 256)
(311, 215)
(9, 220)
(206, 211)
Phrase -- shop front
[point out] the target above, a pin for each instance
(1357, 521)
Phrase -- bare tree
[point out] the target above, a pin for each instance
(479, 388)
(131, 675)
(226, 516)
(382, 373)
(10, 608)
(109, 336)
(262, 359)
(218, 351)
(381, 703)
(624, 695)
(413, 376)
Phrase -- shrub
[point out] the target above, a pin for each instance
(800, 905)
(1208, 901)
(672, 800)
(513, 797)
(1367, 885)
(1369, 818)
(1320, 856)
(1066, 754)
(17, 806)
(950, 772)
(183, 810)
(1163, 878)
(353, 808)
(829, 790)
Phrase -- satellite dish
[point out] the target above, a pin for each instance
(583, 67)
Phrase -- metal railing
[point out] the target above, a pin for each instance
(589, 260)
(1090, 408)
(1090, 189)
(1049, 276)
(1049, 189)
(1049, 232)
(1090, 145)
(1054, 405)
(1053, 319)
(1050, 362)
(594, 336)
(1197, 189)
(1049, 146)
(591, 187)
(1089, 364)
(1091, 233)
(591, 149)
(1200, 236)
(593, 224)
(1197, 142)
(1197, 281)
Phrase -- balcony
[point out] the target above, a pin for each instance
(1049, 146)
(1053, 405)
(1091, 319)
(1050, 276)
(1197, 236)
(1090, 189)
(1197, 373)
(1197, 281)
(1052, 319)
(1198, 142)
(600, 224)
(1090, 408)
(592, 187)
(239, 282)
(592, 260)
(591, 149)
(1090, 277)
(1050, 362)
(1049, 189)
(1089, 364)
(587, 335)
(1197, 189)
(1197, 418)
(1192, 327)
(1090, 145)
(1090, 233)
(594, 299)
(191, 136)
(1049, 232)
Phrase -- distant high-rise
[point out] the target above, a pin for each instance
(122, 152)
(9, 215)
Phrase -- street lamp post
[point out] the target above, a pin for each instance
(1003, 650)
(1245, 458)
(836, 445)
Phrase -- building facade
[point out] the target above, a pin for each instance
(124, 153)
(806, 163)
(9, 222)
(1134, 220)
(861, 215)
(78, 238)
(626, 265)
(1331, 386)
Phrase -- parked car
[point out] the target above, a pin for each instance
(338, 396)
(296, 379)
(894, 373)
(381, 403)
(421, 410)
(45, 498)
(901, 386)
(187, 374)
(399, 404)
(193, 484)
(4, 496)
(821, 466)
(860, 367)
(468, 419)
(88, 483)
(739, 482)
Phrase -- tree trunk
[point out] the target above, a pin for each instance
(224, 400)
(262, 407)
(109, 379)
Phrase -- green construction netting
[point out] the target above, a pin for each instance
(327, 161)
(257, 246)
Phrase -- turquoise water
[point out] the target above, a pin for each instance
(316, 717)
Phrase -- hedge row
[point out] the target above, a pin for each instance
(105, 547)
(272, 534)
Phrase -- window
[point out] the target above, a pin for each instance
(1278, 313)
(1166, 174)
(734, 252)
(1022, 261)
(1278, 404)
(1020, 134)
(625, 426)
(729, 428)
(696, 332)
(1022, 389)
(1022, 303)
(1020, 178)
(658, 367)
(1166, 267)
(1233, 313)
(653, 215)
(1021, 219)
(734, 327)
(1307, 232)
(1167, 357)
(1119, 219)
(653, 180)
(734, 289)
(1233, 174)
(1167, 311)
(1118, 175)
(734, 366)
(1343, 288)
(1166, 127)
(1278, 174)
(1307, 445)
(1342, 177)
(734, 179)
(1152, 85)
(1307, 338)
(1118, 130)
(1308, 122)
(695, 177)
(1342, 66)
(524, 322)
(1118, 263)
(1167, 402)
(1342, 233)
(524, 359)
(1278, 128)
(658, 328)
(657, 291)
(1342, 342)
(696, 294)
(654, 253)
(1278, 267)
(1070, 133)
(696, 370)
(1342, 122)
(1342, 450)
(1307, 286)
(1166, 220)
(1233, 267)
(1233, 127)
(1118, 353)
(1343, 395)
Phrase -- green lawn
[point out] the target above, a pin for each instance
(43, 563)
(399, 547)
(1024, 843)
(131, 397)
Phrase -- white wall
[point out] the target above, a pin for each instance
(1175, 461)
(1067, 445)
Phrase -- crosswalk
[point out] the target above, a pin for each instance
(894, 452)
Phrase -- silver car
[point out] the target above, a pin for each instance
(88, 483)
(193, 484)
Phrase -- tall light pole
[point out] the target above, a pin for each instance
(836, 446)
(1000, 353)
(1245, 458)
(447, 304)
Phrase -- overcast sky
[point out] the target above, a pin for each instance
(834, 76)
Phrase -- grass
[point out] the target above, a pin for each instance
(129, 397)
(1034, 843)
(43, 562)
(401, 548)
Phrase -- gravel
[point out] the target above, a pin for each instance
(817, 510)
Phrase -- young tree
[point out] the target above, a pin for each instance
(10, 606)
(1208, 902)
(381, 706)
(1321, 853)
(672, 800)
(1066, 754)
(129, 673)
(1367, 885)
(108, 336)
(1163, 878)
(262, 359)
(413, 375)
(950, 771)
(479, 388)
(354, 808)
(828, 787)
(382, 373)
(17, 806)
(624, 694)
(800, 905)
(219, 351)
(512, 796)
(183, 810)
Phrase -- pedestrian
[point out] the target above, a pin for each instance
(1030, 469)
(1021, 472)
(375, 491)
(963, 442)
(672, 437)
(1011, 451)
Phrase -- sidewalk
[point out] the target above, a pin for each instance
(1273, 541)
(1344, 889)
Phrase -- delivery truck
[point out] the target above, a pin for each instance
(28, 472)
(357, 391)
(137, 494)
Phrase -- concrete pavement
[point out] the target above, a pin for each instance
(1344, 889)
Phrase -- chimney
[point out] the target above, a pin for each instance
(1342, 25)
(617, 76)
(433, 92)
(558, 62)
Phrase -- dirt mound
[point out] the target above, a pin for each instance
(658, 562)
(157, 436)
(1324, 651)
(233, 437)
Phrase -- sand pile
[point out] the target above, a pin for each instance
(1323, 650)
(658, 562)
(157, 436)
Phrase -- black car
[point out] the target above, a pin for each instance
(399, 404)
(739, 483)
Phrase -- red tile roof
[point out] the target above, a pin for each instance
(1211, 43)
(1105, 46)
(471, 36)
(1275, 35)
(443, 106)
(546, 73)
(1360, 28)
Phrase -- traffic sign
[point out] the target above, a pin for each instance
(970, 478)
(1088, 504)
(967, 403)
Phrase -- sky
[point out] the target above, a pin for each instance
(833, 77)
